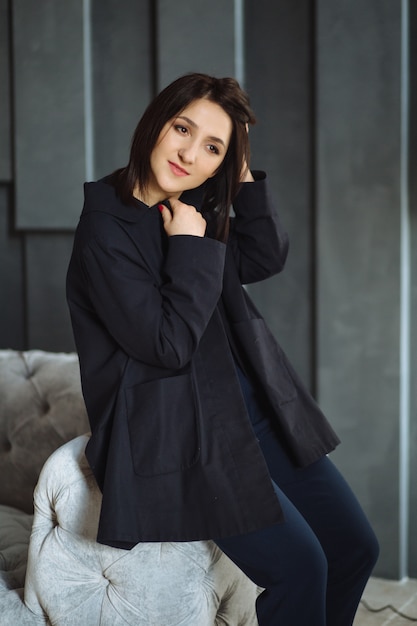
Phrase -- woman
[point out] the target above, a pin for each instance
(200, 427)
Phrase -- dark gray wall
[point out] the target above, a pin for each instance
(279, 76)
(329, 81)
(363, 235)
(359, 243)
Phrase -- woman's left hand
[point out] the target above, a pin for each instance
(182, 219)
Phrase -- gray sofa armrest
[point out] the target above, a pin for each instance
(74, 580)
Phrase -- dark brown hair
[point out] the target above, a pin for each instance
(220, 190)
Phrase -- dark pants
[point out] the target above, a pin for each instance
(315, 565)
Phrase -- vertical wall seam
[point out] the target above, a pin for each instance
(154, 51)
(312, 79)
(405, 304)
(11, 194)
(25, 289)
(239, 39)
(11, 86)
(88, 91)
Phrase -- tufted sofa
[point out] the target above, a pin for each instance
(52, 571)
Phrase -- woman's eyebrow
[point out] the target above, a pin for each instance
(194, 125)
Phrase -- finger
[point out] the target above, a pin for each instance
(176, 206)
(174, 202)
(167, 204)
(165, 212)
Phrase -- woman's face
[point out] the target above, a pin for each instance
(189, 150)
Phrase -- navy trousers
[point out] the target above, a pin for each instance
(315, 564)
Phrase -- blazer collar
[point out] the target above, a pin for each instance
(102, 196)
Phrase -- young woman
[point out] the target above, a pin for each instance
(200, 427)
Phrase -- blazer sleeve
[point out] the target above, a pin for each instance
(156, 317)
(257, 238)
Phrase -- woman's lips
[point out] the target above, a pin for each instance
(177, 170)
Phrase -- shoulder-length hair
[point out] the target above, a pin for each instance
(221, 189)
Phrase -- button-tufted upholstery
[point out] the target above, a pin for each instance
(155, 584)
(40, 409)
(71, 580)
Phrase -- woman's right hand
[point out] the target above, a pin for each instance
(182, 219)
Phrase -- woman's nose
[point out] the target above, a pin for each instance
(188, 155)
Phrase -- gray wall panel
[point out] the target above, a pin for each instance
(413, 400)
(5, 119)
(49, 112)
(121, 35)
(195, 37)
(12, 307)
(358, 244)
(413, 313)
(47, 258)
(278, 78)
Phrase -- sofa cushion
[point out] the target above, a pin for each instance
(41, 408)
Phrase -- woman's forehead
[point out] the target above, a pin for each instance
(208, 117)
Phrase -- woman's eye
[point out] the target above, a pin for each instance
(181, 129)
(213, 149)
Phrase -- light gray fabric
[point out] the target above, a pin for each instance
(76, 581)
(70, 577)
(15, 527)
(41, 407)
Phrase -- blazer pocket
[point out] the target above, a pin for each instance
(162, 425)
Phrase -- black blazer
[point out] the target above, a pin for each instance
(172, 448)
